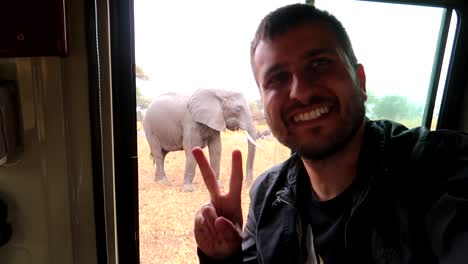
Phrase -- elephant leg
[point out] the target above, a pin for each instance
(190, 166)
(215, 148)
(158, 156)
(160, 174)
(160, 171)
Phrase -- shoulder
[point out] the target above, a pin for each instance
(442, 144)
(272, 180)
(418, 155)
(267, 179)
(419, 143)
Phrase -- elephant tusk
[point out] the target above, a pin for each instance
(249, 138)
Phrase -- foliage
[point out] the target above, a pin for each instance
(141, 100)
(394, 107)
(256, 106)
(140, 73)
(256, 109)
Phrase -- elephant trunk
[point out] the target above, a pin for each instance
(251, 154)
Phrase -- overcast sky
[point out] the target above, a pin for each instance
(185, 45)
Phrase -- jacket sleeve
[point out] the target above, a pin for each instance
(258, 195)
(249, 246)
(447, 219)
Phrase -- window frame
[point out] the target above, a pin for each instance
(455, 83)
(123, 89)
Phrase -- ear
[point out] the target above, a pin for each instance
(206, 108)
(361, 75)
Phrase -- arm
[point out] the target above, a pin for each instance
(447, 219)
(249, 246)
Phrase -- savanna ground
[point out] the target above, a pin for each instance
(167, 214)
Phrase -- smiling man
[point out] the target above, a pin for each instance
(309, 87)
(351, 192)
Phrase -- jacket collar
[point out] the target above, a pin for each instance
(371, 162)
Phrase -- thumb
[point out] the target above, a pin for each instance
(229, 231)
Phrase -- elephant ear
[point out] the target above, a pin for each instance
(206, 108)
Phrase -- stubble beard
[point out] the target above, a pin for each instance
(337, 141)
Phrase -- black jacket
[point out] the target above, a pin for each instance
(412, 207)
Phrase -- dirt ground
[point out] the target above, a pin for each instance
(166, 213)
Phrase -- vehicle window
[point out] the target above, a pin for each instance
(180, 47)
(184, 46)
(397, 45)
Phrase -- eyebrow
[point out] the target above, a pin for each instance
(273, 69)
(309, 54)
(315, 52)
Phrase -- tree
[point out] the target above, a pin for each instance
(393, 107)
(256, 106)
(141, 100)
(140, 73)
(256, 109)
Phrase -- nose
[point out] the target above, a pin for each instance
(300, 89)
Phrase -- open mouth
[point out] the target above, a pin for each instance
(311, 115)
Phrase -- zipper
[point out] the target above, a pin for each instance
(298, 226)
(353, 210)
(279, 200)
(299, 235)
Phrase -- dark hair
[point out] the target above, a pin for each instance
(282, 19)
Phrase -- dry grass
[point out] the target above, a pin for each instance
(166, 213)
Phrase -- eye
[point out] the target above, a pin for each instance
(278, 80)
(318, 64)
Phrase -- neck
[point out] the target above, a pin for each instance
(331, 176)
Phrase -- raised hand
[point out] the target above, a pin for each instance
(218, 224)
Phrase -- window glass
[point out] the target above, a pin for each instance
(397, 45)
(182, 46)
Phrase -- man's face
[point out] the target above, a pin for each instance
(313, 98)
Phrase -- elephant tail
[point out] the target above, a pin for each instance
(150, 139)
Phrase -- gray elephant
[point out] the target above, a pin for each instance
(174, 122)
(264, 134)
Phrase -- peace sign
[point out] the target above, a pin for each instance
(218, 224)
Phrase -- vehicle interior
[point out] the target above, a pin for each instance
(76, 77)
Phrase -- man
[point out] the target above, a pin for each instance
(354, 190)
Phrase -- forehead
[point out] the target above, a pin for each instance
(294, 43)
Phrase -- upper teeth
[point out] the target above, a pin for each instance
(312, 114)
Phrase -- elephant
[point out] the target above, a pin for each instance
(264, 134)
(175, 122)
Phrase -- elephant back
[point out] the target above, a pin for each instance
(164, 119)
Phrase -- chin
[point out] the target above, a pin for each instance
(324, 146)
(316, 153)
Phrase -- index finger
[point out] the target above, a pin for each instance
(235, 184)
(207, 173)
